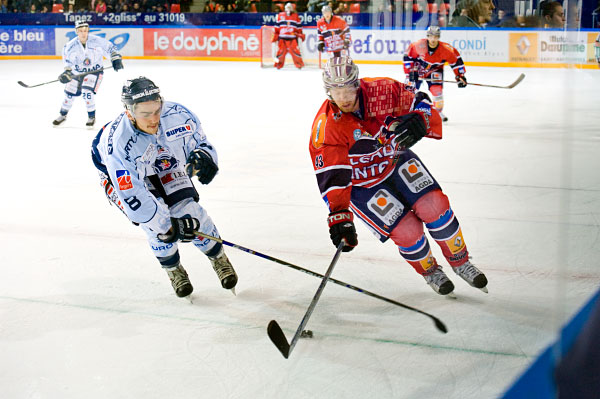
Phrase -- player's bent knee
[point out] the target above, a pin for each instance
(431, 206)
(408, 231)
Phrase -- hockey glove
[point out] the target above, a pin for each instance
(182, 229)
(413, 76)
(346, 43)
(321, 47)
(66, 76)
(462, 81)
(341, 227)
(117, 61)
(200, 164)
(406, 130)
(301, 36)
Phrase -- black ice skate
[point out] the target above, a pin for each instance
(439, 282)
(90, 122)
(180, 281)
(472, 275)
(61, 118)
(225, 271)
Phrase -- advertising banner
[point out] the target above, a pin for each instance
(129, 42)
(218, 43)
(25, 40)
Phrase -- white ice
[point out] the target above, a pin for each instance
(86, 311)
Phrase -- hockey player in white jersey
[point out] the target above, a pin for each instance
(146, 158)
(80, 55)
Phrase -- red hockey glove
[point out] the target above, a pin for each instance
(341, 227)
(462, 81)
(301, 36)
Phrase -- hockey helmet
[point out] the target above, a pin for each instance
(289, 8)
(326, 9)
(434, 31)
(80, 23)
(139, 90)
(340, 72)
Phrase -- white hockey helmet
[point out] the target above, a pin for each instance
(80, 23)
(434, 31)
(289, 7)
(326, 9)
(340, 72)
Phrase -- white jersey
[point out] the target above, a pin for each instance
(87, 58)
(145, 166)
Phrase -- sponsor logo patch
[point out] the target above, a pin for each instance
(415, 175)
(124, 180)
(386, 207)
(179, 131)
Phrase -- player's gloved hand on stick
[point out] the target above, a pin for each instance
(346, 43)
(66, 76)
(182, 229)
(462, 81)
(406, 130)
(117, 61)
(302, 36)
(200, 164)
(341, 227)
(413, 76)
(321, 47)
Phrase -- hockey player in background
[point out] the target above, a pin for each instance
(359, 148)
(80, 55)
(425, 59)
(333, 34)
(597, 49)
(287, 32)
(146, 158)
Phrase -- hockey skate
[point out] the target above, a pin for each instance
(180, 281)
(224, 270)
(61, 118)
(472, 275)
(90, 122)
(439, 282)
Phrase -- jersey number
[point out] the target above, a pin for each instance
(319, 161)
(133, 203)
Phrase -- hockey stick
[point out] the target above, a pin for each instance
(276, 334)
(56, 80)
(510, 86)
(438, 323)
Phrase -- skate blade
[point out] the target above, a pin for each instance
(450, 295)
(484, 289)
(233, 291)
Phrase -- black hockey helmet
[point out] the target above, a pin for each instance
(139, 90)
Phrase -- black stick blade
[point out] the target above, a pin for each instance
(278, 338)
(440, 326)
(516, 82)
(22, 84)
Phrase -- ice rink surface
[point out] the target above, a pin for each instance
(86, 311)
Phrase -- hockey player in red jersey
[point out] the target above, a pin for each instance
(359, 148)
(426, 59)
(333, 34)
(287, 32)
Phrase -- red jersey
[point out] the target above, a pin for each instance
(334, 33)
(347, 149)
(288, 26)
(418, 55)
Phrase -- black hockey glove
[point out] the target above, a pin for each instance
(341, 227)
(117, 61)
(182, 229)
(462, 81)
(200, 164)
(406, 130)
(413, 76)
(346, 43)
(321, 47)
(66, 76)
